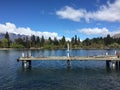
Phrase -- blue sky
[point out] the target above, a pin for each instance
(55, 18)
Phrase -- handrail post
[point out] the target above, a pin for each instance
(68, 50)
(68, 56)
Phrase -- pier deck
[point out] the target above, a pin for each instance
(108, 58)
(26, 61)
(98, 58)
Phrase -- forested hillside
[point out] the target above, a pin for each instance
(75, 43)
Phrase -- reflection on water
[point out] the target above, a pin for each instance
(57, 75)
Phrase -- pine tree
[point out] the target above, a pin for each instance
(76, 40)
(42, 41)
(33, 40)
(38, 41)
(50, 40)
(63, 40)
(7, 37)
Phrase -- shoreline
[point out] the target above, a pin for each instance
(9, 49)
(58, 49)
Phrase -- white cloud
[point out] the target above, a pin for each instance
(90, 31)
(109, 12)
(70, 13)
(97, 31)
(11, 28)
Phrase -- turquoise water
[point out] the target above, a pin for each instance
(54, 75)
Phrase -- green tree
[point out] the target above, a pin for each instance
(79, 42)
(63, 40)
(87, 42)
(7, 37)
(33, 41)
(56, 41)
(114, 45)
(38, 41)
(50, 41)
(27, 42)
(107, 40)
(0, 44)
(42, 41)
(14, 45)
(4, 43)
(76, 41)
(19, 41)
(72, 41)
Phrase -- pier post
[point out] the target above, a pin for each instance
(119, 64)
(26, 64)
(30, 63)
(22, 64)
(68, 56)
(116, 64)
(108, 63)
(113, 65)
(68, 50)
(68, 65)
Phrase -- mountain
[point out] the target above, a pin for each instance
(12, 36)
(116, 36)
(2, 35)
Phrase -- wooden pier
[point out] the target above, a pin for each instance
(26, 60)
(97, 58)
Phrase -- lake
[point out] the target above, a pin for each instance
(54, 75)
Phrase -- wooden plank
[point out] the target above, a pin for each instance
(98, 58)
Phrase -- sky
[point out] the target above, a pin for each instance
(57, 18)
